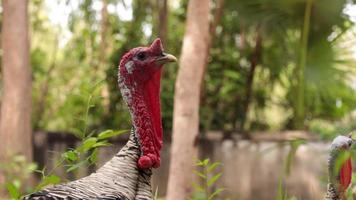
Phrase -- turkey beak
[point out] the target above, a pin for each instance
(165, 58)
(351, 136)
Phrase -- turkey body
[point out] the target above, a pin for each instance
(118, 179)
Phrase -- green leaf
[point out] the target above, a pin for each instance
(48, 180)
(101, 144)
(200, 174)
(17, 183)
(198, 196)
(199, 163)
(197, 187)
(76, 166)
(94, 156)
(206, 162)
(31, 167)
(71, 155)
(213, 166)
(14, 191)
(155, 197)
(110, 133)
(232, 74)
(218, 191)
(280, 190)
(213, 179)
(87, 144)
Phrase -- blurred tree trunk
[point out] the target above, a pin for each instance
(255, 59)
(162, 20)
(212, 29)
(103, 54)
(216, 21)
(187, 99)
(15, 124)
(299, 111)
(104, 24)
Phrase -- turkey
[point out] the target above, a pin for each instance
(128, 174)
(339, 168)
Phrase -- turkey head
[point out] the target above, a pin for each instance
(139, 81)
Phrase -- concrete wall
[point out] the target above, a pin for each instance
(253, 170)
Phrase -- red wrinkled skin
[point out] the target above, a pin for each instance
(140, 87)
(345, 175)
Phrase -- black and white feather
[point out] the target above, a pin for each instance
(118, 179)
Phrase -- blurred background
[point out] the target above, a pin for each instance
(278, 82)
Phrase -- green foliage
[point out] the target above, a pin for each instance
(208, 176)
(17, 173)
(83, 155)
(64, 71)
(327, 130)
(87, 152)
(349, 195)
(48, 180)
(155, 195)
(294, 145)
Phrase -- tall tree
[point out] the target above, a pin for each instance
(255, 58)
(163, 19)
(187, 99)
(104, 25)
(15, 124)
(103, 54)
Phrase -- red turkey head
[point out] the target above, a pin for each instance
(139, 82)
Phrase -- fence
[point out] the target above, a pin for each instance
(252, 169)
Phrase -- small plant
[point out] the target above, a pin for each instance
(282, 193)
(155, 195)
(17, 172)
(86, 153)
(204, 190)
(294, 145)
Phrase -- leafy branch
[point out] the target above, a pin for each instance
(208, 178)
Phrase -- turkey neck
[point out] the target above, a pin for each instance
(333, 188)
(132, 182)
(332, 191)
(333, 194)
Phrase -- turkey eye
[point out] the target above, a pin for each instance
(141, 56)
